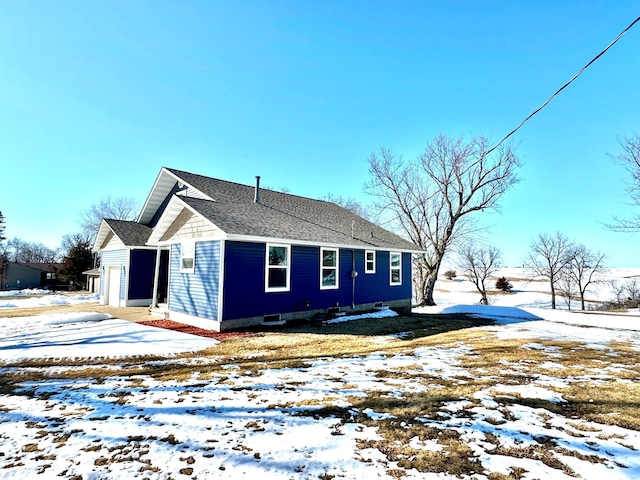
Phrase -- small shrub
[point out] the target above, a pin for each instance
(504, 284)
(450, 274)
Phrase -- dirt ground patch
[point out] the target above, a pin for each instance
(183, 328)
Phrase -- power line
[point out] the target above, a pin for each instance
(564, 86)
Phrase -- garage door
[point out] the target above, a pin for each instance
(114, 286)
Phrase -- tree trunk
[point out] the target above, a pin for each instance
(419, 286)
(429, 286)
(431, 275)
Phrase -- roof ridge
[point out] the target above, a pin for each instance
(230, 182)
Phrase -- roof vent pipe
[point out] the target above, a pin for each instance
(256, 198)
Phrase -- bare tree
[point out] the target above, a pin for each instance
(618, 292)
(582, 269)
(121, 208)
(478, 264)
(430, 200)
(70, 241)
(567, 287)
(548, 257)
(19, 251)
(3, 250)
(2, 227)
(632, 290)
(629, 158)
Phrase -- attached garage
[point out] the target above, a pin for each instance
(127, 265)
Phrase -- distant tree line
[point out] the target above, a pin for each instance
(74, 255)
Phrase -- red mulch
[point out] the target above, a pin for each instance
(181, 327)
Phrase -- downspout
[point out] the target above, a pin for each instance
(354, 274)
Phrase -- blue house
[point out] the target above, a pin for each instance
(220, 255)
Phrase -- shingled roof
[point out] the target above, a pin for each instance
(284, 216)
(132, 234)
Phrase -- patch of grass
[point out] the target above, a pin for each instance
(516, 473)
(612, 403)
(455, 457)
(536, 452)
(421, 324)
(31, 447)
(583, 428)
(171, 439)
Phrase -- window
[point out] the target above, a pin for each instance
(277, 269)
(328, 268)
(369, 261)
(395, 263)
(187, 257)
(51, 276)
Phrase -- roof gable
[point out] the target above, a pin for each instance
(166, 182)
(130, 233)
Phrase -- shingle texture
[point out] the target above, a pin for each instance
(132, 234)
(285, 216)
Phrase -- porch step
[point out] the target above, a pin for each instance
(161, 311)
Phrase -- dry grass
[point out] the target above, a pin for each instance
(610, 400)
(291, 348)
(600, 386)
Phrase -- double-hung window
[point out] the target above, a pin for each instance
(395, 267)
(278, 272)
(370, 261)
(328, 268)
(187, 257)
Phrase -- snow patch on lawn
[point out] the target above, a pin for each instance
(46, 300)
(86, 335)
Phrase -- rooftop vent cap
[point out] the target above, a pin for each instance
(256, 198)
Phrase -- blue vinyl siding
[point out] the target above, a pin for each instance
(115, 257)
(112, 258)
(196, 293)
(123, 283)
(244, 282)
(375, 287)
(102, 281)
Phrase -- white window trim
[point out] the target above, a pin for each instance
(192, 246)
(392, 268)
(336, 268)
(366, 253)
(267, 267)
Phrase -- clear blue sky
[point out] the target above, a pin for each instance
(95, 97)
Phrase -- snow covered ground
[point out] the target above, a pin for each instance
(237, 422)
(88, 335)
(28, 298)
